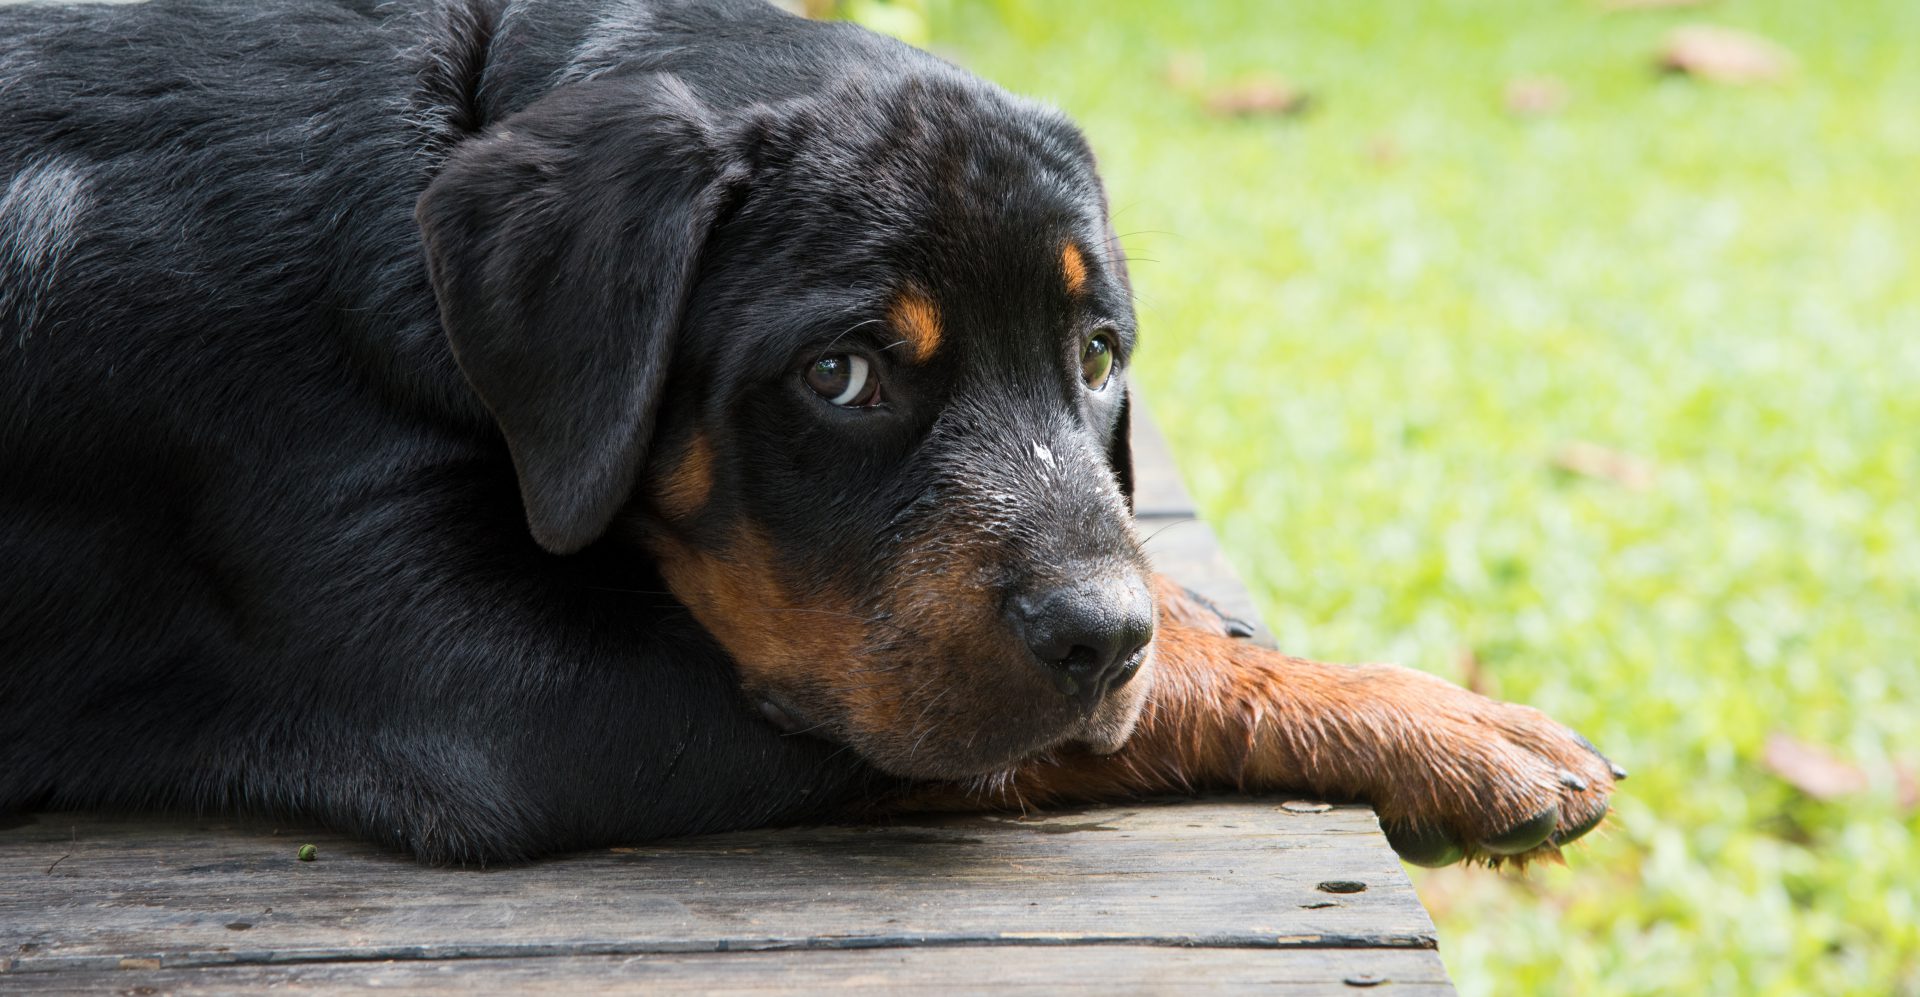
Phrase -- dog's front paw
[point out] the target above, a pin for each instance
(1468, 777)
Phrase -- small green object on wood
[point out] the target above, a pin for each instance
(308, 853)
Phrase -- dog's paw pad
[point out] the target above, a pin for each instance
(1424, 845)
(1572, 833)
(1524, 836)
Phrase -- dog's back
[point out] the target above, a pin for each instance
(204, 208)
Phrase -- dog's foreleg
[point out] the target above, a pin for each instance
(1451, 773)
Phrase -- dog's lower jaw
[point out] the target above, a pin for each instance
(962, 754)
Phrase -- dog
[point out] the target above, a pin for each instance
(496, 428)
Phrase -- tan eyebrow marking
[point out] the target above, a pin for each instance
(1074, 266)
(916, 317)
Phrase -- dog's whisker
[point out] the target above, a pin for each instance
(849, 330)
(931, 703)
(1183, 521)
(920, 721)
(804, 730)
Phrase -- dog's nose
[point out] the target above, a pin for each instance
(1087, 635)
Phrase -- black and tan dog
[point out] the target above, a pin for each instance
(497, 427)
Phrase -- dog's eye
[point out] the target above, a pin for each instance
(1096, 361)
(845, 380)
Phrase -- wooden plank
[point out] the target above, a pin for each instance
(1040, 972)
(1177, 540)
(1184, 548)
(1157, 486)
(83, 892)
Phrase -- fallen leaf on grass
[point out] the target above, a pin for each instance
(1383, 151)
(1186, 70)
(1264, 96)
(1723, 55)
(1591, 460)
(1650, 4)
(1812, 770)
(1536, 96)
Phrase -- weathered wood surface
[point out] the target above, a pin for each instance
(1224, 894)
(1180, 543)
(89, 893)
(1037, 971)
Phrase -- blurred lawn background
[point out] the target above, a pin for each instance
(1601, 393)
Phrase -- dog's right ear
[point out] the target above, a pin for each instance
(563, 246)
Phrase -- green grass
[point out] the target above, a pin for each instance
(1370, 329)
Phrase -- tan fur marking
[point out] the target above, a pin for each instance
(686, 488)
(1074, 267)
(738, 595)
(934, 590)
(917, 318)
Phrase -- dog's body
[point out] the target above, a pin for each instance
(474, 549)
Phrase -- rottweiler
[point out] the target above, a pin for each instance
(498, 427)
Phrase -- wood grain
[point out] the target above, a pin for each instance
(1157, 487)
(1177, 540)
(1111, 971)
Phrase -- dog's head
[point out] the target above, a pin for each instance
(851, 367)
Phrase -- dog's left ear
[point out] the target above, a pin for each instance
(1120, 451)
(563, 246)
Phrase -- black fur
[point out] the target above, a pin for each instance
(334, 338)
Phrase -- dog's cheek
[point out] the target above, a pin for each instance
(816, 653)
(777, 642)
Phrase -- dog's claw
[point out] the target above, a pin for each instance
(1618, 772)
(1232, 626)
(1573, 782)
(1525, 836)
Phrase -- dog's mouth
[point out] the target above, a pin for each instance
(936, 728)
